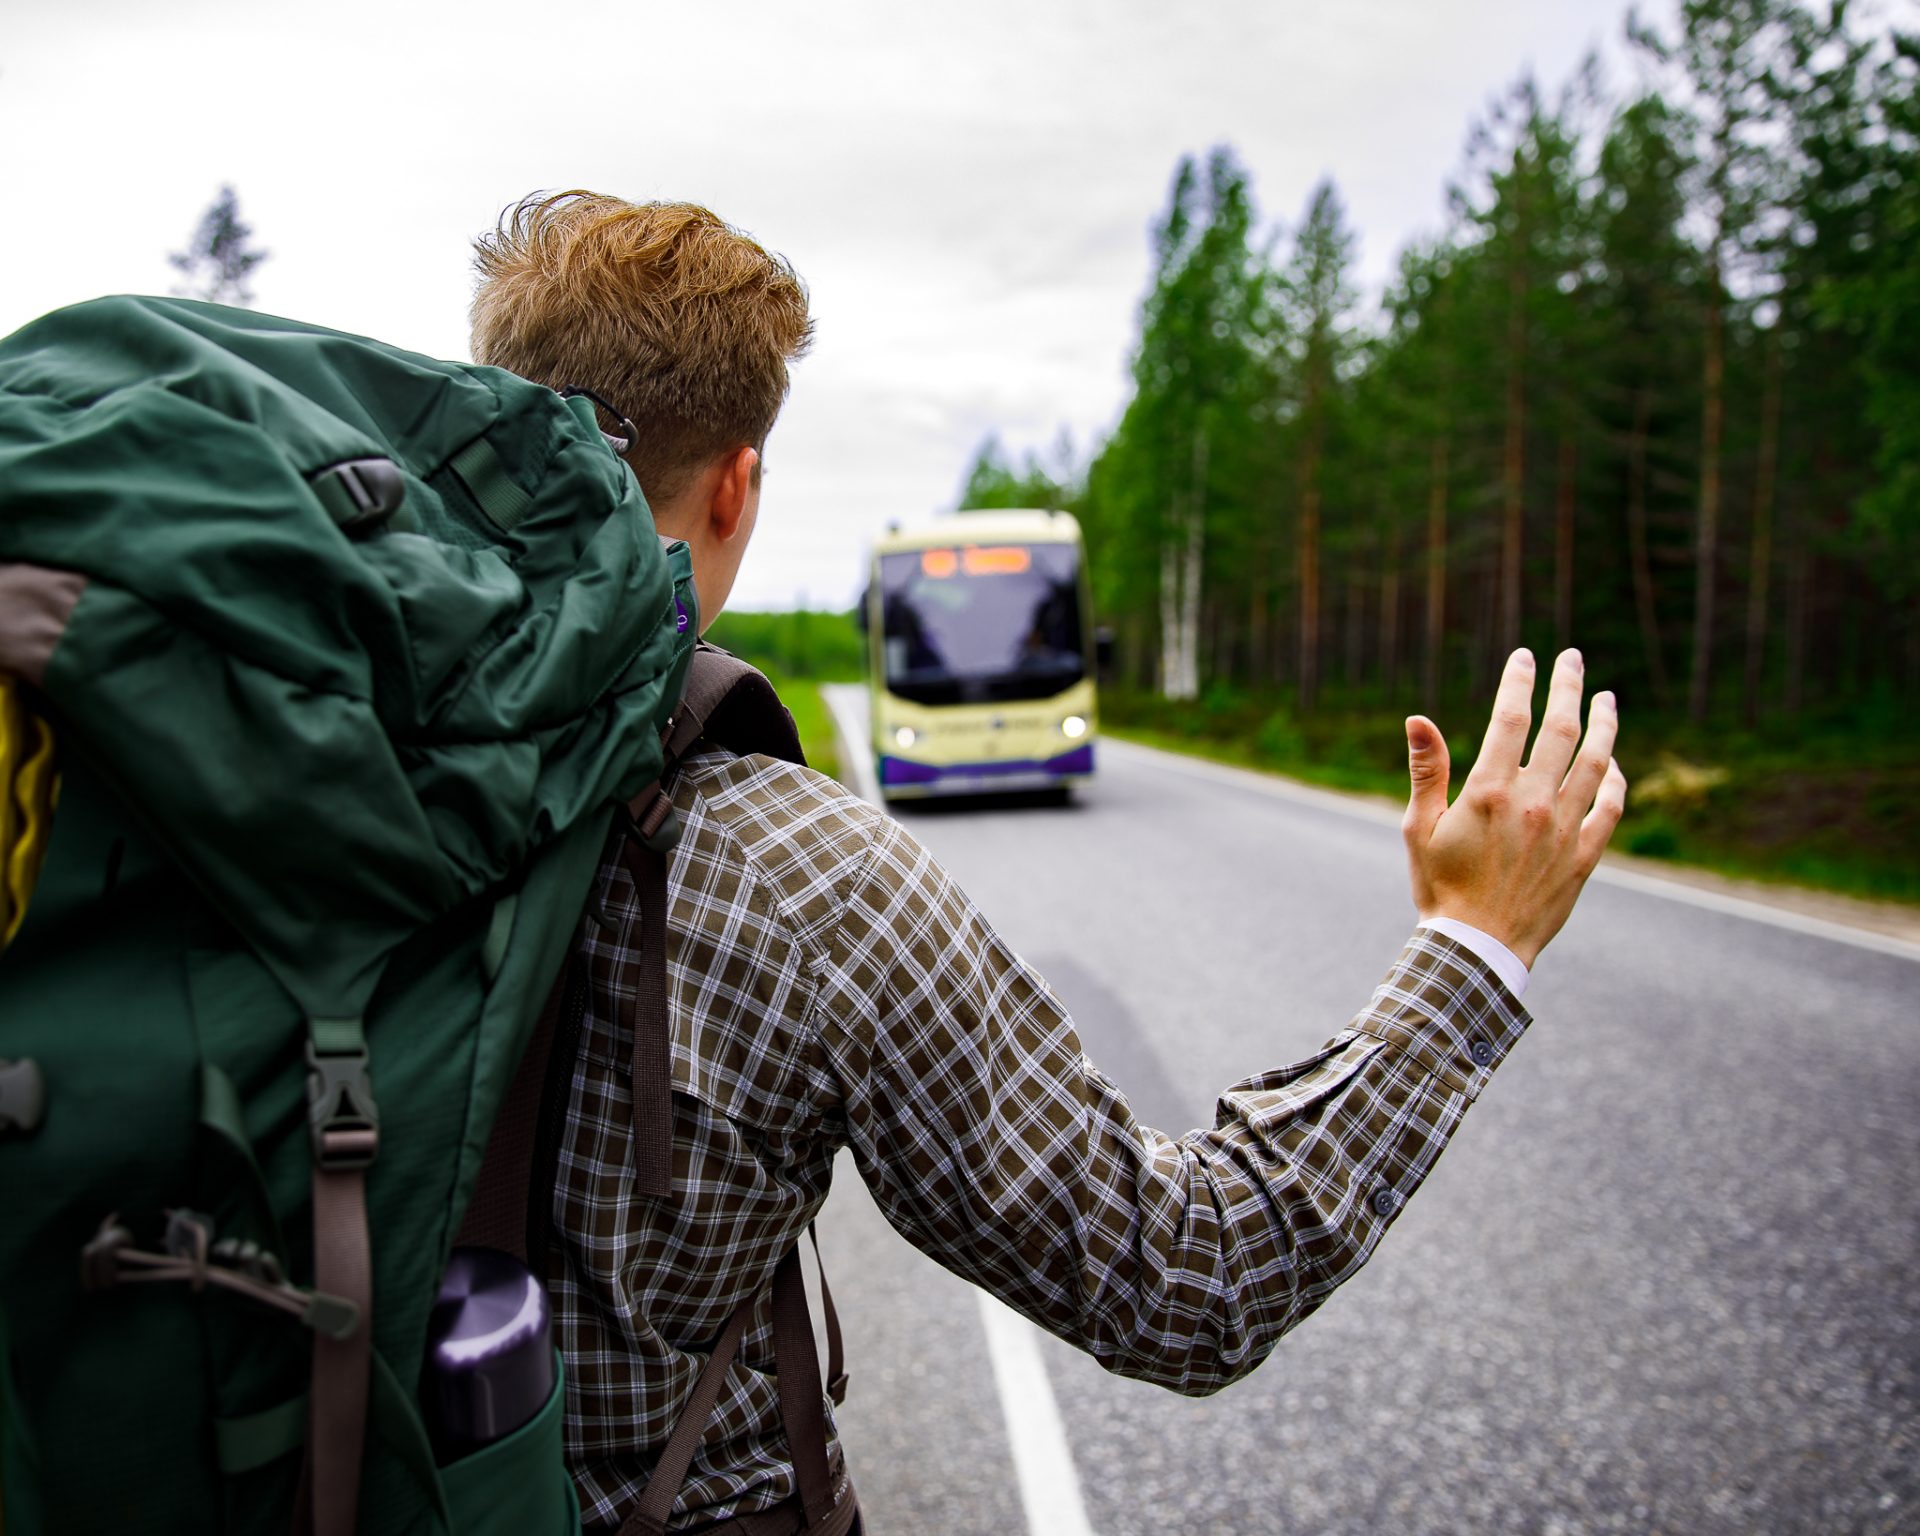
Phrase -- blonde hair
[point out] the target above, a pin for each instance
(673, 316)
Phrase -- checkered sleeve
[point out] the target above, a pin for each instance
(994, 1145)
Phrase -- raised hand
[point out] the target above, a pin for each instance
(1512, 854)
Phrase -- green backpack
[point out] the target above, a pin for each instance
(348, 657)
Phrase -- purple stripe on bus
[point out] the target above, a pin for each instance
(897, 770)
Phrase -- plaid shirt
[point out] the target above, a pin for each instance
(830, 986)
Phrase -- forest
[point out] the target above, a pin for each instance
(1652, 390)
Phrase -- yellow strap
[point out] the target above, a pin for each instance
(29, 789)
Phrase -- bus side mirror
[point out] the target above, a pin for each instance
(1103, 652)
(860, 608)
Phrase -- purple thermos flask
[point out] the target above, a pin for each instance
(489, 1366)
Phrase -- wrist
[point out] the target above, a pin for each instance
(1496, 926)
(1511, 964)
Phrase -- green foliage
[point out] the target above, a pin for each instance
(814, 721)
(994, 481)
(1834, 804)
(1280, 739)
(1653, 838)
(799, 651)
(1653, 391)
(219, 260)
(1870, 288)
(803, 643)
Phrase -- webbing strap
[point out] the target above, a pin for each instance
(486, 478)
(735, 706)
(343, 1125)
(716, 683)
(649, 1516)
(497, 1215)
(651, 1073)
(252, 1440)
(797, 1379)
(836, 1357)
(343, 1266)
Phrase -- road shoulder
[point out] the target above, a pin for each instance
(1894, 921)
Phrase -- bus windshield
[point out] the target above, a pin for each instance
(981, 624)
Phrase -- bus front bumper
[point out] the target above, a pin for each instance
(902, 778)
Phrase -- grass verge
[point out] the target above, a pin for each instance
(814, 720)
(1827, 806)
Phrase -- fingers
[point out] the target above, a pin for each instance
(1560, 724)
(1428, 768)
(1590, 767)
(1604, 817)
(1506, 736)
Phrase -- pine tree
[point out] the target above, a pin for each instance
(1317, 299)
(1197, 374)
(1852, 297)
(994, 481)
(1521, 201)
(1643, 384)
(1658, 371)
(219, 260)
(1726, 52)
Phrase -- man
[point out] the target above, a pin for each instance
(831, 987)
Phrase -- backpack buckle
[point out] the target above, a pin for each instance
(341, 1117)
(361, 494)
(652, 820)
(660, 827)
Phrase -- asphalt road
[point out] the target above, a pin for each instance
(1667, 1278)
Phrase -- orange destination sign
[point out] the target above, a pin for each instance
(997, 560)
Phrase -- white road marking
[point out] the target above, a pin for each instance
(1360, 807)
(1042, 1458)
(1758, 912)
(1049, 1485)
(1607, 874)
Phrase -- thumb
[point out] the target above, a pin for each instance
(1428, 767)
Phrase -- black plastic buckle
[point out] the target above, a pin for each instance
(361, 494)
(341, 1116)
(657, 827)
(660, 829)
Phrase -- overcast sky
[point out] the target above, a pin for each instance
(966, 188)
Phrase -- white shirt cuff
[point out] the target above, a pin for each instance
(1491, 953)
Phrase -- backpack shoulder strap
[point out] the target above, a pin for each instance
(731, 704)
(502, 1213)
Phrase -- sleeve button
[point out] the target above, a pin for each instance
(1481, 1051)
(1385, 1202)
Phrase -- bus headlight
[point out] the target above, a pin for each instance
(1073, 727)
(905, 737)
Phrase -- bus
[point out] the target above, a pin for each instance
(981, 655)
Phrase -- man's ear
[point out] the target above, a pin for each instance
(731, 488)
